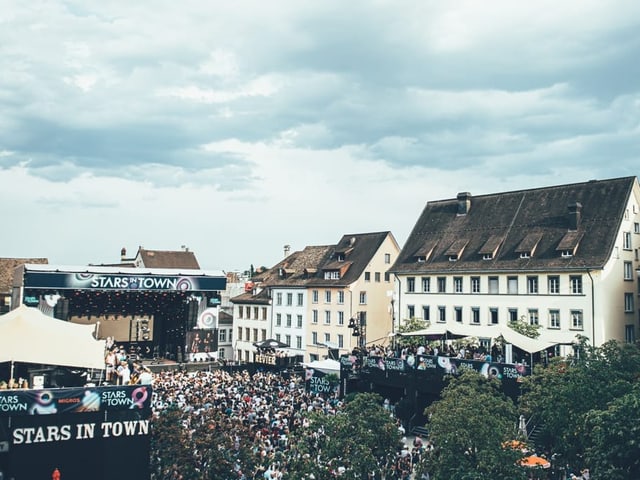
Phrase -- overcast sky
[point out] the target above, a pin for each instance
(237, 127)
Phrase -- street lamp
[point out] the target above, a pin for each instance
(358, 326)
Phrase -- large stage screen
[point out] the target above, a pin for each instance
(75, 433)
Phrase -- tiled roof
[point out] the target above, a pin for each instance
(519, 221)
(168, 259)
(7, 269)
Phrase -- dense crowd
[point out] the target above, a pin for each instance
(270, 405)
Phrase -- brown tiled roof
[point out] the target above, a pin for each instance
(7, 269)
(168, 259)
(540, 215)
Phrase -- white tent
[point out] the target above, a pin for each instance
(443, 330)
(28, 335)
(327, 366)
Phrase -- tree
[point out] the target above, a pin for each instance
(469, 428)
(525, 328)
(613, 438)
(564, 397)
(359, 439)
(411, 325)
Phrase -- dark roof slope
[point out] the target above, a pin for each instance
(8, 267)
(538, 218)
(168, 259)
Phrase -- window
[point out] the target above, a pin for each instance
(554, 318)
(327, 317)
(512, 285)
(576, 284)
(411, 311)
(442, 314)
(457, 284)
(340, 297)
(493, 285)
(493, 316)
(367, 276)
(532, 284)
(411, 284)
(387, 258)
(513, 314)
(636, 227)
(377, 277)
(626, 240)
(426, 315)
(279, 298)
(222, 336)
(475, 316)
(287, 339)
(363, 298)
(340, 318)
(239, 333)
(314, 316)
(576, 319)
(255, 334)
(630, 333)
(264, 313)
(554, 284)
(442, 284)
(256, 314)
(457, 313)
(263, 334)
(387, 277)
(289, 299)
(299, 342)
(332, 275)
(247, 311)
(426, 284)
(240, 311)
(628, 302)
(221, 353)
(300, 299)
(299, 321)
(247, 334)
(314, 296)
(628, 271)
(534, 319)
(475, 284)
(314, 338)
(288, 320)
(327, 296)
(231, 335)
(340, 341)
(327, 338)
(278, 319)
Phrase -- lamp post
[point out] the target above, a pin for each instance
(358, 326)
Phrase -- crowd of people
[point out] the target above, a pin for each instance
(270, 404)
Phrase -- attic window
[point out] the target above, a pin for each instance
(454, 252)
(490, 247)
(340, 257)
(424, 252)
(569, 244)
(421, 258)
(528, 245)
(332, 275)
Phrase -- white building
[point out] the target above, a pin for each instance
(563, 257)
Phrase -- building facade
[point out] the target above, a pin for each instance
(562, 257)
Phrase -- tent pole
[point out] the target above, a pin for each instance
(11, 374)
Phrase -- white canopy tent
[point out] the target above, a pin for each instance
(28, 335)
(443, 330)
(327, 366)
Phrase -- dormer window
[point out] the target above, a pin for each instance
(569, 244)
(490, 247)
(528, 245)
(424, 252)
(455, 250)
(421, 258)
(332, 275)
(453, 258)
(487, 256)
(340, 257)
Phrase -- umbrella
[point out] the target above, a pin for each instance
(535, 461)
(270, 343)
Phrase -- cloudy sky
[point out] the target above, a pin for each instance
(237, 127)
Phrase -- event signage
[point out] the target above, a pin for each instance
(117, 281)
(75, 433)
(74, 400)
(319, 382)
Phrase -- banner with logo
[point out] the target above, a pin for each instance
(320, 382)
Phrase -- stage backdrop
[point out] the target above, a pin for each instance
(75, 433)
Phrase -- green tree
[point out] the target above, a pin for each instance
(361, 438)
(410, 325)
(561, 397)
(469, 428)
(613, 438)
(525, 328)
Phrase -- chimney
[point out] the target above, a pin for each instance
(287, 249)
(575, 215)
(464, 203)
(123, 253)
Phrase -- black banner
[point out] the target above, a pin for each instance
(319, 382)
